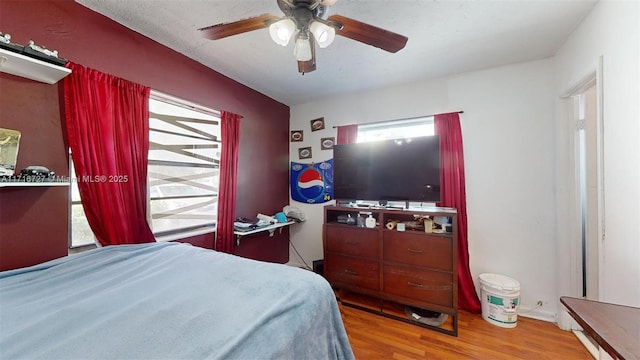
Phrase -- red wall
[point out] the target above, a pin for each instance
(34, 221)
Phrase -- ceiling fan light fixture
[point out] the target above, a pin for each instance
(323, 33)
(307, 20)
(302, 50)
(281, 31)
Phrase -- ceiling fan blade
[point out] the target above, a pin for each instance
(308, 66)
(369, 34)
(223, 30)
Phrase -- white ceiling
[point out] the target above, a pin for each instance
(445, 37)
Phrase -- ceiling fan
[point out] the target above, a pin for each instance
(308, 20)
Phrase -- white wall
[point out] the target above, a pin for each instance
(507, 126)
(612, 31)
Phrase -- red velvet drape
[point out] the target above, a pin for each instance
(230, 132)
(107, 127)
(452, 185)
(347, 134)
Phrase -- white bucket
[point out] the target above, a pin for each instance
(500, 299)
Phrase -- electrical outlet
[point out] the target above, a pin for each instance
(540, 303)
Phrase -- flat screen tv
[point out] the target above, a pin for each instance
(389, 170)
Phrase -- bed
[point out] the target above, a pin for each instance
(167, 301)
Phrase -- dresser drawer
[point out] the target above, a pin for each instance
(352, 241)
(423, 285)
(351, 271)
(431, 251)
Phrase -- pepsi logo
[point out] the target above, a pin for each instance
(311, 184)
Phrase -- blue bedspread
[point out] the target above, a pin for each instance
(167, 301)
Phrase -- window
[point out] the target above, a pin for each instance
(80, 232)
(397, 129)
(184, 159)
(183, 171)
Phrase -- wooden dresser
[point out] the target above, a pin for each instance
(408, 267)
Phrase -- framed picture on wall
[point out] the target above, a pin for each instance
(9, 144)
(304, 153)
(327, 143)
(317, 124)
(297, 135)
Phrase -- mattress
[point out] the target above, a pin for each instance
(167, 301)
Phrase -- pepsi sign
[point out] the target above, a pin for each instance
(312, 183)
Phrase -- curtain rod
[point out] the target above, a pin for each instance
(411, 118)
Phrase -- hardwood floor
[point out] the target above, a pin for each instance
(377, 337)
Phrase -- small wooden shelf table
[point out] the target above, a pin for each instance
(270, 228)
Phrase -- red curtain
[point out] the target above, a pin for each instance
(452, 185)
(230, 132)
(107, 127)
(347, 134)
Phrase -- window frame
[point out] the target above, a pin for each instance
(182, 232)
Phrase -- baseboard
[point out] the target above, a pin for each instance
(591, 348)
(538, 314)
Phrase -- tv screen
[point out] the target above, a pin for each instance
(390, 170)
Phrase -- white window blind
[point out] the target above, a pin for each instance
(184, 159)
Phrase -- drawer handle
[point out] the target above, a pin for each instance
(350, 272)
(419, 286)
(351, 242)
(415, 251)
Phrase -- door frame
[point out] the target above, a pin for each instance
(569, 225)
